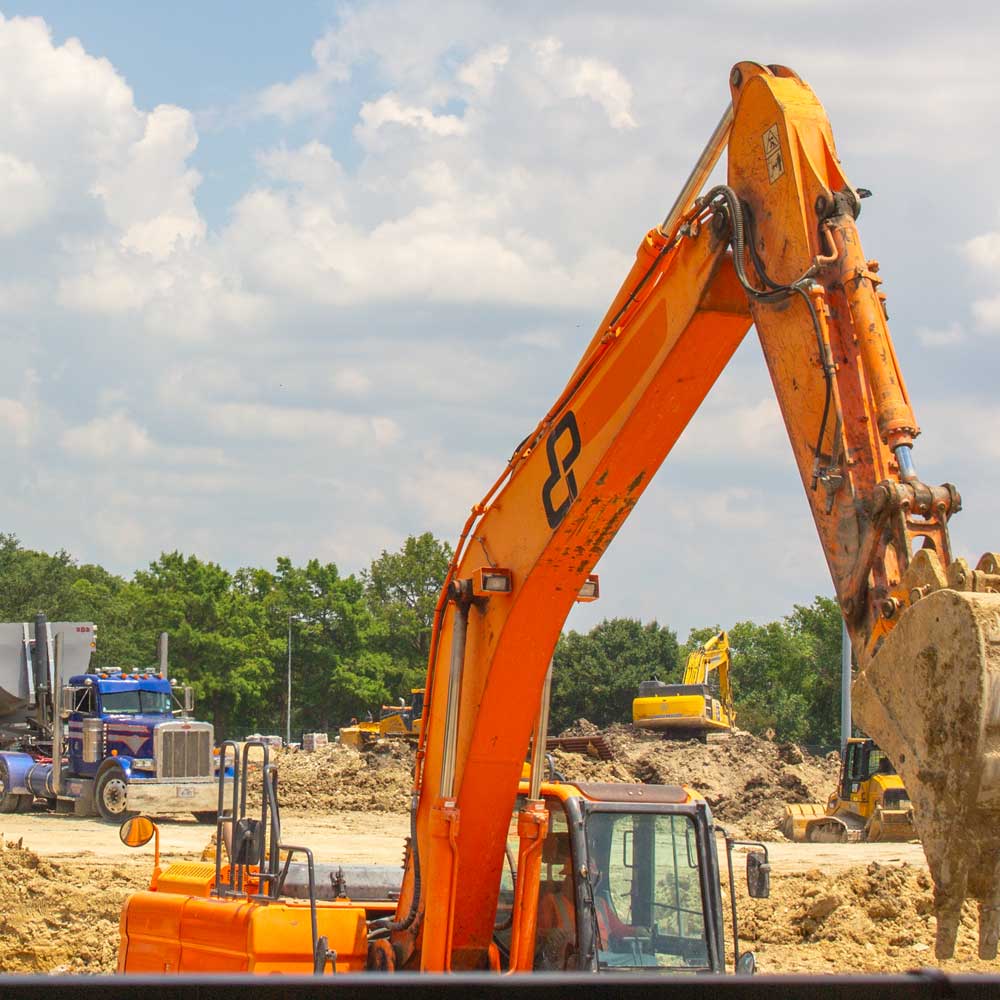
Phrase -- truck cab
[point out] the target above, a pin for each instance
(115, 714)
(123, 734)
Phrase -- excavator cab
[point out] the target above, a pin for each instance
(625, 884)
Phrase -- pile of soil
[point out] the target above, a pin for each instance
(871, 918)
(336, 777)
(746, 780)
(58, 917)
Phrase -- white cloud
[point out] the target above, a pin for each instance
(309, 93)
(16, 420)
(23, 193)
(595, 79)
(727, 426)
(480, 72)
(983, 253)
(941, 336)
(350, 382)
(987, 313)
(113, 437)
(307, 425)
(389, 110)
(156, 162)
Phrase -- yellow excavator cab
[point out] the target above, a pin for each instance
(692, 707)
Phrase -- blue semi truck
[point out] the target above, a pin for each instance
(125, 741)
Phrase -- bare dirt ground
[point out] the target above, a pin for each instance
(833, 907)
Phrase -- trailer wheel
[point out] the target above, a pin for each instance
(111, 796)
(10, 802)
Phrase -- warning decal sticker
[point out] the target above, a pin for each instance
(772, 152)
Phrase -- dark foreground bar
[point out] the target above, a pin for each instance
(920, 985)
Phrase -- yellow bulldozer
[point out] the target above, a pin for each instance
(700, 704)
(869, 803)
(400, 721)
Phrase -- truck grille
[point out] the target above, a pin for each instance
(184, 750)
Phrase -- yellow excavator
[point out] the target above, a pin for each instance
(691, 708)
(869, 804)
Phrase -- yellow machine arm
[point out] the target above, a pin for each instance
(712, 656)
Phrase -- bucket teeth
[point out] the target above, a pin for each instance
(930, 697)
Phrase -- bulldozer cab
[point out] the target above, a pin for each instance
(862, 761)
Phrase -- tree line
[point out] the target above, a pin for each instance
(362, 640)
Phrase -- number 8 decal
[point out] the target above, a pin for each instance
(559, 471)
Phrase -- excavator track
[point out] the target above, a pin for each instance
(931, 698)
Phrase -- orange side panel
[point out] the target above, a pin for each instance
(280, 937)
(151, 933)
(167, 932)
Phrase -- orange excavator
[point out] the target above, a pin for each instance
(776, 246)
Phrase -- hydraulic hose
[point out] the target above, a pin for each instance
(775, 292)
(384, 926)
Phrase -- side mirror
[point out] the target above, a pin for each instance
(66, 701)
(188, 698)
(758, 875)
(746, 964)
(137, 831)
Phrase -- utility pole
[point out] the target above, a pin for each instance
(845, 688)
(288, 702)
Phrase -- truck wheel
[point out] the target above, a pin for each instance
(111, 796)
(10, 802)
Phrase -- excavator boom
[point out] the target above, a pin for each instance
(777, 246)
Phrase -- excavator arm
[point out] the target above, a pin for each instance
(713, 656)
(776, 247)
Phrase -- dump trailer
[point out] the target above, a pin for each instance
(869, 803)
(124, 740)
(702, 703)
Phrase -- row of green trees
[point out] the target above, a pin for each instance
(359, 641)
(785, 674)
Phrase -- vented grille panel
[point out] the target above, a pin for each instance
(185, 753)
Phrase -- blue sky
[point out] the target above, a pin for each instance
(296, 283)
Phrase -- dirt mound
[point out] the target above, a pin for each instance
(746, 780)
(874, 918)
(61, 917)
(336, 777)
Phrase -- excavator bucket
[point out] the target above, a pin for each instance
(798, 816)
(930, 697)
